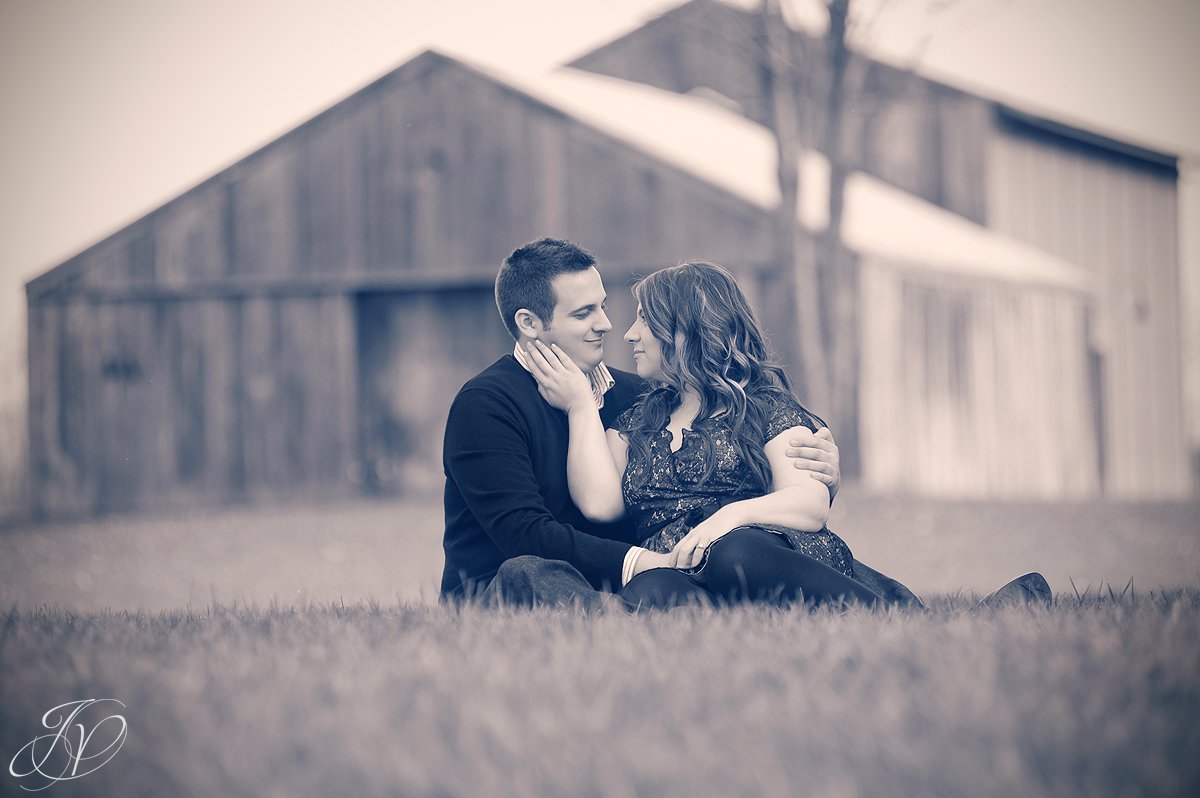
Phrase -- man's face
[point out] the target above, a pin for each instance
(579, 322)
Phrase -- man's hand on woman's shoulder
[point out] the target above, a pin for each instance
(817, 453)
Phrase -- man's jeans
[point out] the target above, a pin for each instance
(892, 591)
(529, 581)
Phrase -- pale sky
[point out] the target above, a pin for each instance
(112, 107)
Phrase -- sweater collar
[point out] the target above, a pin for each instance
(601, 378)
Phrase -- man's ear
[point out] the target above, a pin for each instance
(528, 323)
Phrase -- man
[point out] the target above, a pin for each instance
(512, 530)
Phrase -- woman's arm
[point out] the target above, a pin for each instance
(797, 500)
(593, 476)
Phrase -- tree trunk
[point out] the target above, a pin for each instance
(791, 291)
(838, 266)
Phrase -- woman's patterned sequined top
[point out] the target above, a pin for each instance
(669, 495)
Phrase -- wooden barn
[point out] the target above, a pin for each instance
(297, 324)
(1109, 205)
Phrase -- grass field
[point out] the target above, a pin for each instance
(391, 551)
(1093, 697)
(295, 652)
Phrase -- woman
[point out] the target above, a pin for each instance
(700, 459)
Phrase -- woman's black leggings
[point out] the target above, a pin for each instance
(749, 565)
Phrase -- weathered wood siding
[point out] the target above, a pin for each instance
(925, 138)
(296, 360)
(974, 388)
(1117, 215)
(178, 403)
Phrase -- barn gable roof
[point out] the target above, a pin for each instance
(63, 277)
(1051, 121)
(726, 152)
(69, 271)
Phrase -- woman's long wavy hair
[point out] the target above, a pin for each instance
(712, 344)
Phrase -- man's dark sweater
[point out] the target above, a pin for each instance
(505, 458)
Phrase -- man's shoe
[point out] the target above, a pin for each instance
(1032, 588)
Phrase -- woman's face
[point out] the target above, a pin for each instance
(647, 350)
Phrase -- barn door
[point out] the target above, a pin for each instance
(415, 350)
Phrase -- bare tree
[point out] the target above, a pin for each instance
(822, 333)
(793, 311)
(812, 95)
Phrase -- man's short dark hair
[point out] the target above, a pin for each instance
(525, 276)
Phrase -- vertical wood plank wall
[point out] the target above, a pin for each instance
(973, 388)
(1117, 217)
(166, 404)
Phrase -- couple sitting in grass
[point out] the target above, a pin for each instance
(700, 479)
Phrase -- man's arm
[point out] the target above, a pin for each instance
(817, 453)
(487, 454)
